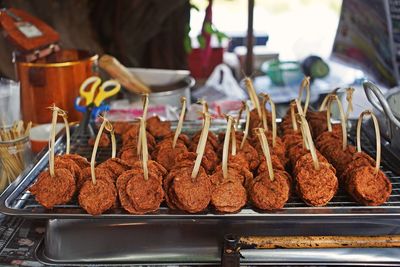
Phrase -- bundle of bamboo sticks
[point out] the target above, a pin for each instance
(14, 152)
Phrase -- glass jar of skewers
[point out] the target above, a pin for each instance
(15, 153)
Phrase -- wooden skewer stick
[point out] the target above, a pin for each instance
(310, 142)
(233, 133)
(253, 95)
(246, 129)
(305, 84)
(299, 108)
(64, 116)
(201, 145)
(300, 113)
(266, 151)
(243, 107)
(28, 128)
(325, 102)
(95, 147)
(53, 140)
(225, 151)
(180, 122)
(145, 99)
(94, 152)
(342, 119)
(205, 110)
(273, 119)
(293, 115)
(377, 134)
(264, 111)
(110, 128)
(203, 104)
(145, 151)
(349, 98)
(139, 143)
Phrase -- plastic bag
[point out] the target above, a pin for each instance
(221, 85)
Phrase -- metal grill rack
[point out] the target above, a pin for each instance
(17, 200)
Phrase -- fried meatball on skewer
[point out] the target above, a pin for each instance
(270, 190)
(57, 185)
(98, 195)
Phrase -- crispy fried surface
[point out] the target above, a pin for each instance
(146, 196)
(82, 162)
(191, 196)
(270, 195)
(316, 187)
(158, 128)
(369, 188)
(97, 198)
(66, 163)
(229, 196)
(116, 166)
(50, 191)
(166, 155)
(101, 174)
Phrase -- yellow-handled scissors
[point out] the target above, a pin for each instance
(105, 90)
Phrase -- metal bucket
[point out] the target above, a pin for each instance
(170, 94)
(389, 123)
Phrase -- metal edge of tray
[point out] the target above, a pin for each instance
(264, 257)
(381, 212)
(41, 257)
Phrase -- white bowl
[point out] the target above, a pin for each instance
(159, 77)
(40, 135)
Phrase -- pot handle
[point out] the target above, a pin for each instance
(382, 106)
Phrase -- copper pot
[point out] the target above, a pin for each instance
(53, 79)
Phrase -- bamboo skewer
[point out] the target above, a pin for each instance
(253, 95)
(349, 98)
(377, 134)
(145, 151)
(293, 116)
(246, 129)
(64, 116)
(225, 151)
(180, 122)
(52, 140)
(12, 151)
(305, 84)
(233, 134)
(342, 119)
(266, 151)
(307, 135)
(201, 145)
(264, 111)
(145, 100)
(109, 127)
(94, 152)
(205, 111)
(242, 108)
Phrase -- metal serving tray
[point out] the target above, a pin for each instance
(199, 242)
(17, 200)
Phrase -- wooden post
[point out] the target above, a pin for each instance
(250, 37)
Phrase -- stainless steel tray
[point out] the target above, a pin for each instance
(199, 242)
(16, 200)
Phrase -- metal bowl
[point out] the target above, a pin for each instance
(170, 94)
